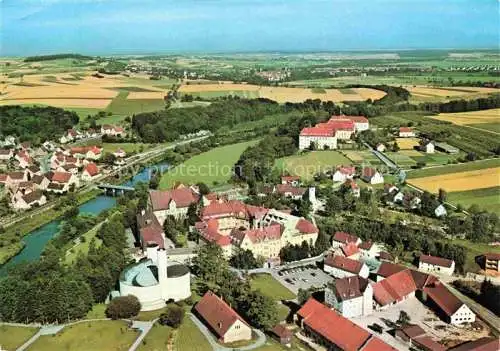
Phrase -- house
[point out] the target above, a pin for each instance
(448, 306)
(174, 202)
(353, 187)
(361, 123)
(390, 189)
(433, 264)
(290, 191)
(70, 135)
(150, 230)
(342, 127)
(372, 176)
(427, 147)
(27, 201)
(440, 211)
(368, 250)
(386, 269)
(334, 332)
(120, 153)
(343, 173)
(342, 238)
(24, 159)
(6, 154)
(380, 147)
(350, 250)
(90, 172)
(283, 334)
(34, 170)
(9, 141)
(319, 136)
(61, 181)
(88, 152)
(290, 180)
(481, 344)
(491, 262)
(414, 335)
(406, 132)
(394, 289)
(398, 198)
(341, 267)
(15, 178)
(41, 182)
(107, 129)
(222, 320)
(350, 296)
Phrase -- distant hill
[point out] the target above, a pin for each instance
(56, 57)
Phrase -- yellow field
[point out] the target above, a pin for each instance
(426, 91)
(484, 178)
(410, 153)
(462, 118)
(407, 143)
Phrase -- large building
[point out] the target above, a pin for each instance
(174, 202)
(351, 296)
(341, 267)
(433, 264)
(233, 224)
(155, 281)
(222, 320)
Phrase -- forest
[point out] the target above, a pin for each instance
(36, 124)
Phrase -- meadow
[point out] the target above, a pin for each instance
(96, 335)
(486, 199)
(308, 164)
(455, 168)
(212, 167)
(13, 337)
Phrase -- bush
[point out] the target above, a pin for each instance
(123, 307)
(173, 316)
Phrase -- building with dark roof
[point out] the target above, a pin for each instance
(350, 296)
(222, 320)
(433, 264)
(414, 335)
(482, 344)
(341, 267)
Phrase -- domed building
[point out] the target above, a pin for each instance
(154, 280)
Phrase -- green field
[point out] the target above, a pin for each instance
(189, 337)
(212, 166)
(121, 106)
(13, 337)
(308, 164)
(248, 94)
(156, 339)
(490, 127)
(463, 167)
(270, 287)
(487, 199)
(97, 335)
(83, 246)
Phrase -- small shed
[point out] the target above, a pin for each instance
(283, 334)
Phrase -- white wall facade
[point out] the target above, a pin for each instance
(306, 140)
(462, 315)
(239, 331)
(340, 273)
(427, 267)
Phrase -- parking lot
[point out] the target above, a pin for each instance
(303, 277)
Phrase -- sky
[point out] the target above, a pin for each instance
(105, 27)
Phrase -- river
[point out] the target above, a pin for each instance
(36, 240)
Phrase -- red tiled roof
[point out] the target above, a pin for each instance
(420, 279)
(210, 232)
(348, 170)
(365, 245)
(287, 188)
(217, 313)
(349, 249)
(92, 169)
(358, 119)
(289, 178)
(336, 329)
(405, 129)
(387, 269)
(482, 344)
(442, 297)
(152, 234)
(426, 343)
(61, 177)
(350, 183)
(3, 177)
(368, 172)
(344, 263)
(183, 197)
(492, 256)
(413, 331)
(282, 331)
(394, 288)
(437, 261)
(375, 344)
(350, 287)
(317, 131)
(305, 227)
(343, 237)
(341, 124)
(271, 232)
(226, 208)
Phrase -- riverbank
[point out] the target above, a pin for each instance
(12, 238)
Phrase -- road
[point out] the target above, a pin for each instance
(131, 161)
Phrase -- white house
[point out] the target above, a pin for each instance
(350, 296)
(318, 136)
(343, 173)
(428, 147)
(399, 197)
(406, 132)
(107, 129)
(27, 201)
(440, 211)
(41, 182)
(341, 267)
(222, 320)
(380, 147)
(119, 153)
(433, 264)
(372, 176)
(90, 172)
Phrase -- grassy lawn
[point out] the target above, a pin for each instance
(486, 199)
(83, 112)
(212, 166)
(156, 339)
(308, 164)
(13, 337)
(401, 159)
(270, 287)
(150, 315)
(447, 169)
(490, 127)
(83, 246)
(189, 337)
(101, 335)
